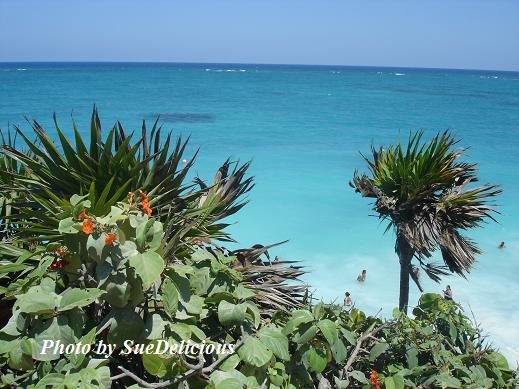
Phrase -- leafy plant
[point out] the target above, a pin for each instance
(105, 282)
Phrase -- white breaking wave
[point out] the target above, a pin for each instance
(225, 70)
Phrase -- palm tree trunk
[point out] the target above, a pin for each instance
(405, 254)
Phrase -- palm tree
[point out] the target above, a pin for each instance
(422, 190)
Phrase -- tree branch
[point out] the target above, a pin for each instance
(358, 347)
(193, 369)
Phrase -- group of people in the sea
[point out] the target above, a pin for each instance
(348, 302)
(347, 296)
(447, 293)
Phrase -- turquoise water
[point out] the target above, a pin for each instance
(303, 127)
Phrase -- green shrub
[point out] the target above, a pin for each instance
(105, 280)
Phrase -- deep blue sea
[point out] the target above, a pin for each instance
(303, 127)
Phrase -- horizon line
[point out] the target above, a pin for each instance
(255, 63)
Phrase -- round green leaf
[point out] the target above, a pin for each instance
(306, 334)
(359, 376)
(394, 382)
(126, 324)
(58, 330)
(298, 317)
(77, 298)
(155, 364)
(38, 302)
(315, 359)
(118, 291)
(231, 379)
(254, 352)
(275, 341)
(169, 297)
(66, 226)
(229, 313)
(329, 330)
(243, 293)
(95, 247)
(377, 349)
(339, 351)
(230, 363)
(148, 266)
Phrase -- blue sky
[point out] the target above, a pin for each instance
(473, 34)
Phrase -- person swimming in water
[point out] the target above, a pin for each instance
(501, 245)
(447, 293)
(362, 276)
(347, 299)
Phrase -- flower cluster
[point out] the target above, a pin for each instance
(88, 225)
(88, 228)
(59, 252)
(58, 264)
(145, 203)
(110, 238)
(373, 377)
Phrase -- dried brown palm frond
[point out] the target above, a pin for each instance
(276, 282)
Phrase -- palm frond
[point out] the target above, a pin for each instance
(276, 282)
(458, 252)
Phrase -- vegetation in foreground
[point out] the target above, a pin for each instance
(107, 243)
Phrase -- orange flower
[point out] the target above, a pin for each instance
(145, 203)
(373, 377)
(82, 216)
(143, 196)
(109, 240)
(88, 227)
(147, 210)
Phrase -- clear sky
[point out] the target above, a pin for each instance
(474, 34)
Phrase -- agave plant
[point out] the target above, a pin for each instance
(44, 174)
(423, 190)
(107, 169)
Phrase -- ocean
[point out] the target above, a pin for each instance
(304, 128)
